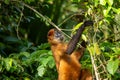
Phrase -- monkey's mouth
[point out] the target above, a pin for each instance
(62, 38)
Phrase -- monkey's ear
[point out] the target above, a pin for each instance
(51, 32)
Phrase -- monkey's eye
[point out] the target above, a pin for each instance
(58, 34)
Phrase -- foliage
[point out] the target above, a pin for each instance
(37, 65)
(24, 53)
(104, 35)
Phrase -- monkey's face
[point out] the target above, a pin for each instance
(58, 35)
(55, 36)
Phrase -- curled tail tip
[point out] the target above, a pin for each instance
(88, 23)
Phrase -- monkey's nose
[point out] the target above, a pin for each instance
(61, 38)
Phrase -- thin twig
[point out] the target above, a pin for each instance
(94, 67)
(65, 20)
(17, 29)
(42, 16)
(66, 29)
(102, 65)
(50, 22)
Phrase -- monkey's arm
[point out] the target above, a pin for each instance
(75, 39)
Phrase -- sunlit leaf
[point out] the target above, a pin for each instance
(50, 52)
(116, 50)
(84, 37)
(8, 63)
(41, 70)
(26, 78)
(26, 54)
(1, 65)
(38, 53)
(116, 10)
(75, 0)
(51, 62)
(96, 2)
(110, 2)
(106, 11)
(90, 49)
(44, 61)
(44, 46)
(112, 66)
(90, 11)
(76, 27)
(103, 2)
(97, 49)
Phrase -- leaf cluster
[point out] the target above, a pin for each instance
(36, 65)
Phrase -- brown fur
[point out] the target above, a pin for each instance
(68, 66)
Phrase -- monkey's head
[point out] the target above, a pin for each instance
(54, 36)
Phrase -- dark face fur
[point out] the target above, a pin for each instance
(55, 36)
(58, 35)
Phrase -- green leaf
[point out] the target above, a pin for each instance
(97, 48)
(50, 52)
(37, 16)
(8, 63)
(110, 2)
(44, 61)
(25, 54)
(26, 78)
(91, 49)
(112, 66)
(2, 45)
(106, 11)
(76, 1)
(103, 2)
(76, 27)
(116, 10)
(96, 2)
(84, 37)
(28, 1)
(41, 70)
(38, 53)
(11, 39)
(51, 62)
(44, 46)
(116, 50)
(1, 64)
(7, 1)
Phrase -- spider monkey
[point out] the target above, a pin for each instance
(66, 58)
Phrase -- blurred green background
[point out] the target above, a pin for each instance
(25, 53)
